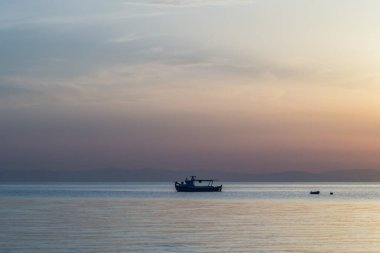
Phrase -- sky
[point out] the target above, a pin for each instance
(224, 85)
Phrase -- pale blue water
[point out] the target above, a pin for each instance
(152, 217)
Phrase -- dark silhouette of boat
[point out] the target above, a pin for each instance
(189, 185)
(314, 192)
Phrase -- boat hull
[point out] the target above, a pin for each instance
(184, 188)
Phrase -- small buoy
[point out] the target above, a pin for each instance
(331, 193)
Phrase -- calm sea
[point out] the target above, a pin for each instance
(152, 217)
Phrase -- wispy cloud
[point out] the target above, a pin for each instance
(189, 3)
(76, 20)
(130, 37)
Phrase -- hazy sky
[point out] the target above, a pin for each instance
(234, 85)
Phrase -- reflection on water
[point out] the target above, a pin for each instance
(154, 218)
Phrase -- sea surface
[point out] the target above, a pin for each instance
(152, 217)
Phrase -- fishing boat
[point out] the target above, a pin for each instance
(193, 184)
(314, 192)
